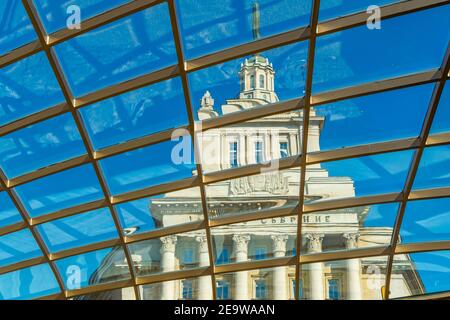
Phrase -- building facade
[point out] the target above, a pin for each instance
(259, 141)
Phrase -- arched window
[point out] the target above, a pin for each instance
(261, 81)
(252, 82)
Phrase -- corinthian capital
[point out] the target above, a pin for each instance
(241, 242)
(202, 243)
(279, 242)
(168, 243)
(315, 242)
(351, 240)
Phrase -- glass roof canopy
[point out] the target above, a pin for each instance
(149, 148)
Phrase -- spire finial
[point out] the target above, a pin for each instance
(256, 21)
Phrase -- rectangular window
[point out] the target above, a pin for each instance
(188, 256)
(260, 289)
(224, 256)
(284, 152)
(333, 289)
(233, 154)
(300, 289)
(188, 292)
(223, 290)
(260, 253)
(259, 152)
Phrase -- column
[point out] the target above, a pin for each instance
(279, 286)
(168, 264)
(316, 280)
(266, 145)
(241, 149)
(353, 269)
(204, 282)
(241, 278)
(293, 144)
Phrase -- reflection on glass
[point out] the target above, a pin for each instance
(342, 58)
(60, 191)
(156, 164)
(349, 228)
(267, 77)
(368, 175)
(429, 270)
(426, 220)
(170, 253)
(255, 141)
(255, 240)
(87, 269)
(18, 246)
(357, 121)
(160, 211)
(441, 122)
(181, 289)
(353, 279)
(261, 284)
(117, 294)
(330, 9)
(26, 87)
(17, 29)
(40, 145)
(79, 230)
(55, 14)
(117, 52)
(208, 26)
(433, 168)
(249, 194)
(8, 212)
(135, 114)
(28, 283)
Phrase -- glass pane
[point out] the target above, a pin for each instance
(57, 14)
(16, 29)
(336, 8)
(29, 283)
(136, 114)
(18, 246)
(8, 211)
(170, 253)
(117, 294)
(255, 240)
(426, 220)
(184, 289)
(208, 26)
(433, 168)
(40, 145)
(156, 164)
(79, 230)
(428, 270)
(369, 175)
(249, 194)
(160, 211)
(26, 87)
(122, 50)
(441, 122)
(374, 118)
(360, 55)
(87, 269)
(353, 279)
(260, 284)
(267, 77)
(255, 141)
(348, 228)
(60, 191)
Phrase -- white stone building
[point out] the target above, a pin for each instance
(257, 141)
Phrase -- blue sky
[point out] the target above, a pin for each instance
(143, 43)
